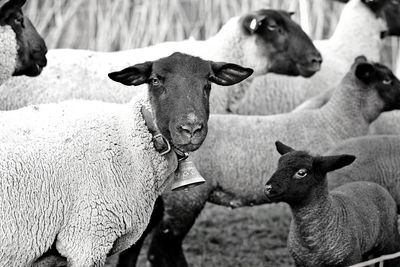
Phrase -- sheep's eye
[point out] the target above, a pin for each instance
(272, 27)
(155, 81)
(300, 174)
(387, 81)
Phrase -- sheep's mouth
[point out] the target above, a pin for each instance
(190, 147)
(308, 70)
(32, 71)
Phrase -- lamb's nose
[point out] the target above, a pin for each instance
(267, 189)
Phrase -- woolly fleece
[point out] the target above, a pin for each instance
(89, 184)
(83, 74)
(357, 33)
(378, 160)
(8, 53)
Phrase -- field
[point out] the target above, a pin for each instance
(241, 237)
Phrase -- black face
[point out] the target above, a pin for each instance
(289, 49)
(298, 173)
(389, 10)
(31, 47)
(179, 90)
(381, 79)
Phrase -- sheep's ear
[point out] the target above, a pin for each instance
(134, 75)
(251, 23)
(227, 73)
(331, 163)
(365, 72)
(282, 148)
(10, 7)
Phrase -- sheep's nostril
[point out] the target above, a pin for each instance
(191, 129)
(268, 189)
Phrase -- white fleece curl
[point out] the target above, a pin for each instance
(8, 53)
(84, 174)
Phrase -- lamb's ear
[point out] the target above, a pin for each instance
(331, 163)
(282, 148)
(365, 72)
(227, 73)
(134, 75)
(9, 8)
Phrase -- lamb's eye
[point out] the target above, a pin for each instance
(387, 81)
(155, 81)
(300, 174)
(18, 20)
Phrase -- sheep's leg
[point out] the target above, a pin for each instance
(181, 211)
(128, 258)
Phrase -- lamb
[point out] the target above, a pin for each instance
(265, 40)
(23, 51)
(99, 172)
(231, 161)
(359, 31)
(332, 228)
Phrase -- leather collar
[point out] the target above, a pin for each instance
(161, 143)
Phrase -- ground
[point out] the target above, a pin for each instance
(238, 237)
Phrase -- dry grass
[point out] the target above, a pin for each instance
(123, 24)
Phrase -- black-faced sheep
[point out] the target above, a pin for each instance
(332, 228)
(22, 50)
(84, 175)
(359, 32)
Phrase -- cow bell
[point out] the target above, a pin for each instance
(186, 176)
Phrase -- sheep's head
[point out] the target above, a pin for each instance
(299, 172)
(381, 87)
(31, 49)
(389, 10)
(272, 34)
(179, 90)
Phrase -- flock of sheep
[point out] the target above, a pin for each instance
(84, 174)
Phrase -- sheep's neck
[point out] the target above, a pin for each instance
(314, 215)
(360, 28)
(345, 112)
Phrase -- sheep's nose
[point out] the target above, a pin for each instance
(315, 58)
(191, 128)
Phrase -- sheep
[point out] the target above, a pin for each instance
(233, 157)
(332, 228)
(358, 32)
(265, 40)
(84, 175)
(23, 51)
(377, 161)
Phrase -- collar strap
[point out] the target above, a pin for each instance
(161, 143)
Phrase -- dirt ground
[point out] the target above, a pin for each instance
(238, 237)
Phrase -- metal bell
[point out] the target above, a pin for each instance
(186, 176)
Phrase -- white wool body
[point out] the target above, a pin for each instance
(357, 33)
(82, 174)
(8, 53)
(83, 74)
